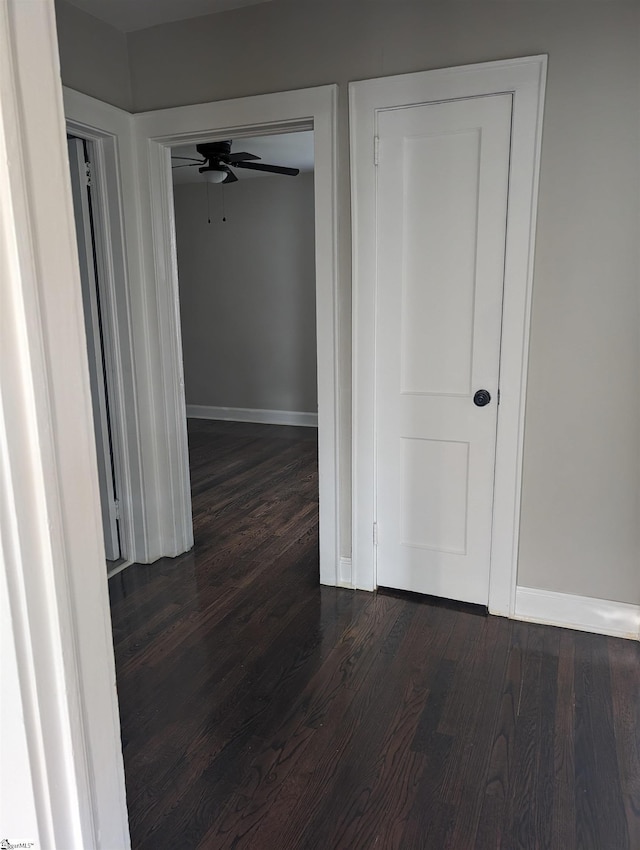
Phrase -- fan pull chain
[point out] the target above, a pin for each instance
(208, 204)
(224, 218)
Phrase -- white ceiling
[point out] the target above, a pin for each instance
(294, 150)
(129, 15)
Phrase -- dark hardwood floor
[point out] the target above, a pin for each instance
(262, 711)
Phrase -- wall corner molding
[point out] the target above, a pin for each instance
(583, 613)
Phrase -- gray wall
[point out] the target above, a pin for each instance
(93, 56)
(581, 489)
(247, 293)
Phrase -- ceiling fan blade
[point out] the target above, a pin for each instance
(231, 178)
(190, 159)
(238, 157)
(190, 165)
(273, 169)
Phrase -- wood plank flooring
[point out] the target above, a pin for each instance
(262, 711)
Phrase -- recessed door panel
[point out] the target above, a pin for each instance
(434, 484)
(438, 317)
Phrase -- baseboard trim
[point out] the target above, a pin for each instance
(247, 414)
(119, 568)
(345, 575)
(584, 613)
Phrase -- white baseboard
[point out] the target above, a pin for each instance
(583, 613)
(247, 414)
(345, 577)
(119, 568)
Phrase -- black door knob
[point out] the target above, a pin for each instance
(481, 398)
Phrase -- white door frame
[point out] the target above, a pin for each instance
(109, 131)
(156, 133)
(525, 79)
(62, 770)
(100, 345)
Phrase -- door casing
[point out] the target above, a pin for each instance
(99, 342)
(156, 132)
(525, 80)
(105, 128)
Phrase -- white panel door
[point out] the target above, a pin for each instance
(441, 204)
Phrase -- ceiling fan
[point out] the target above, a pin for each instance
(218, 159)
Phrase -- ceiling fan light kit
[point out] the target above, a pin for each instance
(215, 176)
(218, 159)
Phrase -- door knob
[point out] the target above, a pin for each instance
(481, 398)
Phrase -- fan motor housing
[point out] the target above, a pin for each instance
(214, 150)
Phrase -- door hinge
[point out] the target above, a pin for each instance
(375, 533)
(498, 397)
(116, 508)
(88, 174)
(376, 150)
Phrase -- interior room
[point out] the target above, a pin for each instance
(246, 272)
(377, 424)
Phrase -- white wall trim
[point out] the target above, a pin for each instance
(158, 515)
(132, 314)
(345, 573)
(109, 131)
(156, 132)
(525, 78)
(248, 414)
(583, 613)
(50, 520)
(121, 566)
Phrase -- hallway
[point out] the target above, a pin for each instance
(262, 711)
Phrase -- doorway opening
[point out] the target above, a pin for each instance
(245, 244)
(156, 134)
